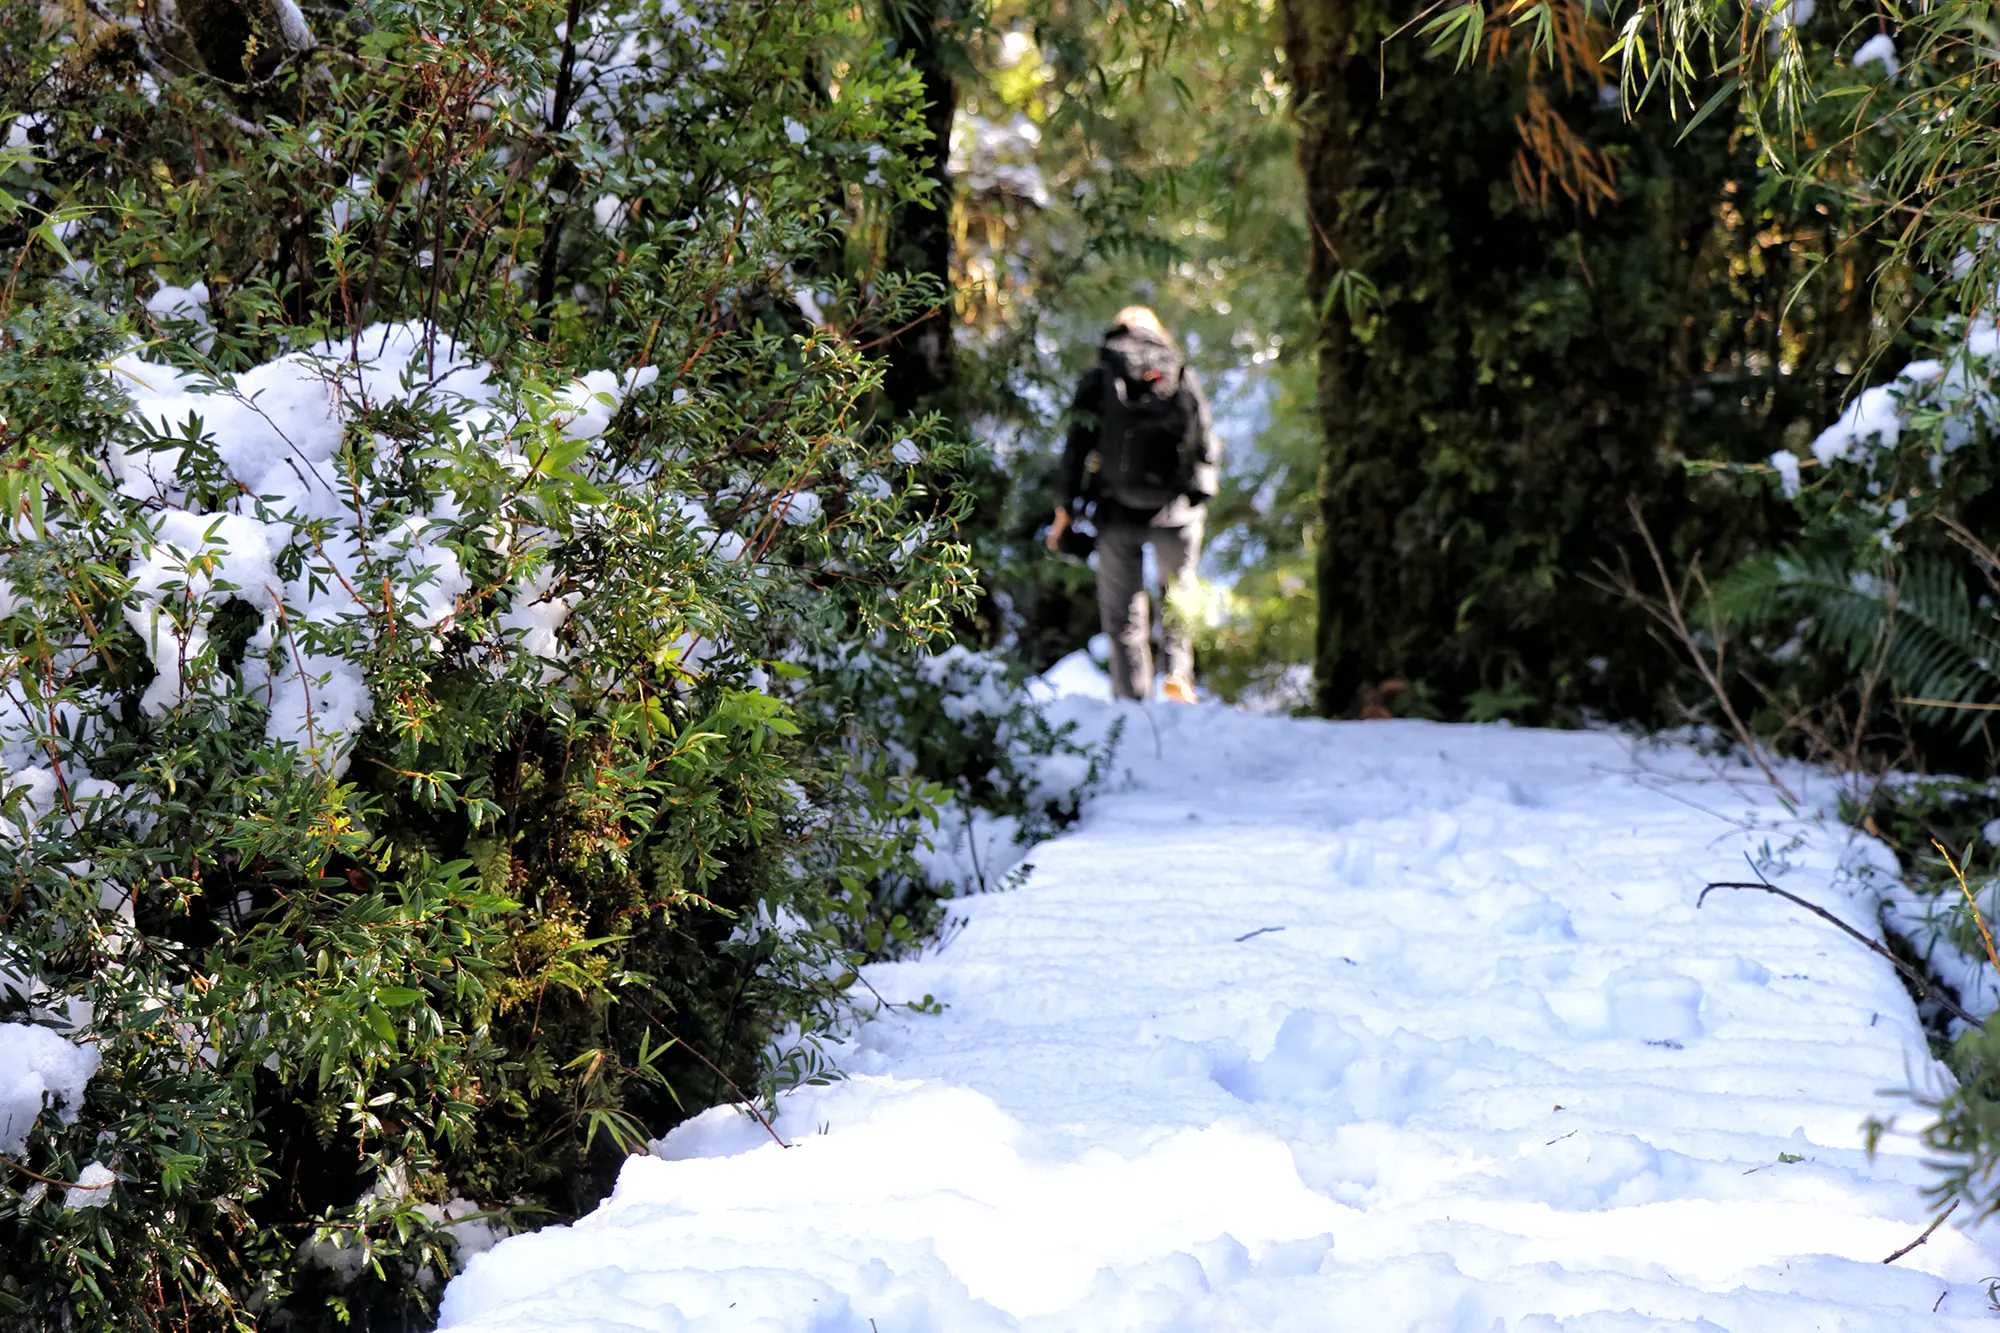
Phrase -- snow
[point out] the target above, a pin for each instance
(1880, 47)
(1871, 416)
(1787, 467)
(800, 508)
(1959, 389)
(969, 852)
(277, 431)
(169, 302)
(1075, 675)
(39, 1069)
(92, 1188)
(1383, 1026)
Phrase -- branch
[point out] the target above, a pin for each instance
(1668, 611)
(75, 1185)
(1916, 978)
(749, 1103)
(1927, 1233)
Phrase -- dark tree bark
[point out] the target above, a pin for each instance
(1320, 48)
(919, 375)
(1498, 377)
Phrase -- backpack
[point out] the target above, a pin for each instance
(1147, 448)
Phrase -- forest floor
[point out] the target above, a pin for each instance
(1367, 1026)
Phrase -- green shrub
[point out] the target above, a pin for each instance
(411, 717)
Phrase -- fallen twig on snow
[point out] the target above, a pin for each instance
(1916, 978)
(1926, 1236)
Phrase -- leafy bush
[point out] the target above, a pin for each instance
(1013, 776)
(1874, 633)
(418, 642)
(1872, 642)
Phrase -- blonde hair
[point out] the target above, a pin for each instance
(1140, 317)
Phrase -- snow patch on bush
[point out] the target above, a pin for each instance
(365, 557)
(39, 1070)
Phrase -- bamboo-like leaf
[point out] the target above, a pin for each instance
(1721, 95)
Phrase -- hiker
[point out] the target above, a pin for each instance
(1142, 455)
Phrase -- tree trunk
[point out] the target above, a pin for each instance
(1320, 48)
(1499, 376)
(919, 375)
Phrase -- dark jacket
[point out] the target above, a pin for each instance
(1084, 407)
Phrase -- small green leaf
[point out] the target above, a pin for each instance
(1728, 89)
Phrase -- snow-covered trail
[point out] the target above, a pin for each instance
(1368, 1026)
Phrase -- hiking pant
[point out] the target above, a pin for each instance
(1122, 598)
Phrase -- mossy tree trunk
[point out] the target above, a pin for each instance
(1499, 376)
(1320, 45)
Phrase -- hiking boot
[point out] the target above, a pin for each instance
(1178, 692)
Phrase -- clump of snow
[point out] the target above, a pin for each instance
(362, 556)
(39, 1070)
(596, 398)
(473, 1229)
(1872, 418)
(971, 850)
(1960, 388)
(1944, 941)
(1390, 1025)
(92, 1188)
(169, 302)
(1788, 13)
(800, 508)
(1880, 47)
(1076, 674)
(1787, 465)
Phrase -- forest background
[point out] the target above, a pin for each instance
(523, 523)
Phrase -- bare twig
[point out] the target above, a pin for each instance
(1916, 978)
(749, 1103)
(1669, 609)
(972, 837)
(207, 104)
(51, 1180)
(1926, 1236)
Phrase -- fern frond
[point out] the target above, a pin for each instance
(1938, 644)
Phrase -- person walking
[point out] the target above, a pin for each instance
(1143, 458)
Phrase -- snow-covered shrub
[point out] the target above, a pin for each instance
(1889, 578)
(404, 556)
(1002, 776)
(1877, 635)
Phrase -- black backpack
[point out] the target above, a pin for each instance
(1147, 448)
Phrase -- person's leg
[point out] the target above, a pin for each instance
(1121, 608)
(1178, 550)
